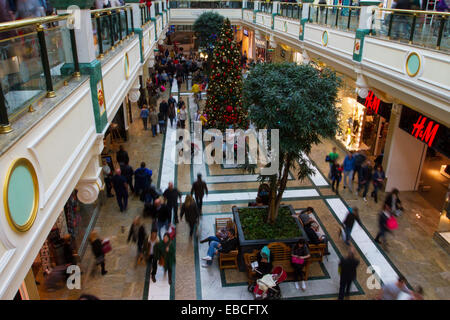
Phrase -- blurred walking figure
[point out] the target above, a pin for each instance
(172, 195)
(385, 221)
(391, 291)
(144, 116)
(331, 158)
(199, 188)
(336, 176)
(138, 234)
(142, 179)
(122, 156)
(165, 254)
(377, 178)
(352, 216)
(189, 208)
(149, 251)
(393, 202)
(97, 250)
(347, 267)
(364, 178)
(349, 168)
(120, 186)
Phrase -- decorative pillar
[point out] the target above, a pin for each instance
(304, 19)
(365, 26)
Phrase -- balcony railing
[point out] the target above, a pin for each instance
(338, 17)
(250, 5)
(266, 7)
(233, 4)
(291, 10)
(110, 27)
(37, 56)
(424, 28)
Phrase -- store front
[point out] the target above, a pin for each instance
(246, 38)
(261, 49)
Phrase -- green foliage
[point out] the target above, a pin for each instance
(224, 104)
(255, 228)
(206, 26)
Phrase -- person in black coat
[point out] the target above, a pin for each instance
(364, 178)
(393, 202)
(138, 234)
(383, 217)
(69, 252)
(164, 109)
(122, 156)
(189, 208)
(347, 266)
(128, 172)
(311, 229)
(360, 158)
(352, 216)
(97, 250)
(161, 214)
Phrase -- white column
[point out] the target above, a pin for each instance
(136, 15)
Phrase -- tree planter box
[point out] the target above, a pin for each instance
(247, 246)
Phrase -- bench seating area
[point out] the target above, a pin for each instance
(281, 254)
(227, 260)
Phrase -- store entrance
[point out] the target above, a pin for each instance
(435, 178)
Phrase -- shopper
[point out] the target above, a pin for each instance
(161, 213)
(352, 216)
(391, 291)
(142, 179)
(69, 251)
(349, 168)
(189, 208)
(128, 172)
(172, 113)
(154, 121)
(165, 254)
(199, 188)
(364, 178)
(97, 250)
(348, 267)
(149, 251)
(331, 158)
(299, 254)
(183, 116)
(360, 158)
(393, 202)
(336, 176)
(122, 156)
(144, 116)
(377, 179)
(107, 175)
(171, 194)
(226, 245)
(383, 218)
(120, 186)
(137, 234)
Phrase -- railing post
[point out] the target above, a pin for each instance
(45, 62)
(126, 21)
(326, 15)
(132, 20)
(120, 24)
(317, 15)
(309, 13)
(111, 29)
(76, 64)
(390, 25)
(337, 17)
(5, 126)
(413, 28)
(349, 18)
(99, 35)
(441, 31)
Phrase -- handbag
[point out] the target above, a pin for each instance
(391, 223)
(161, 261)
(297, 260)
(106, 246)
(327, 158)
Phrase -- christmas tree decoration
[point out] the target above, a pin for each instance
(224, 104)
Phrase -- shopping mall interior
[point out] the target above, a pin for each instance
(91, 93)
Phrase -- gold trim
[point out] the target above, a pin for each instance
(31, 109)
(51, 94)
(21, 228)
(406, 65)
(33, 21)
(127, 65)
(323, 33)
(5, 128)
(77, 74)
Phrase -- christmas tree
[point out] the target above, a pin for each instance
(224, 104)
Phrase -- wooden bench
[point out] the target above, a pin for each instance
(281, 254)
(317, 251)
(227, 260)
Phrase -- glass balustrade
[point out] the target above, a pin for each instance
(250, 5)
(291, 10)
(337, 17)
(234, 4)
(423, 28)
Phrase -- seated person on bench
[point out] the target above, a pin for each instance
(257, 203)
(264, 259)
(223, 246)
(221, 235)
(315, 236)
(305, 215)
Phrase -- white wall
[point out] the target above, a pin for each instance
(405, 163)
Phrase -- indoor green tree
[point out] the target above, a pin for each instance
(299, 101)
(224, 103)
(207, 27)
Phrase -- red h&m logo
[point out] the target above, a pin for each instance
(372, 102)
(430, 132)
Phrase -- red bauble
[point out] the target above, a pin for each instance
(229, 108)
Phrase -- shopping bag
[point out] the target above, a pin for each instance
(106, 246)
(391, 223)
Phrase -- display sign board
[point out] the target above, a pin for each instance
(431, 132)
(245, 32)
(260, 43)
(374, 105)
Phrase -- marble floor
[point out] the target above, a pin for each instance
(412, 252)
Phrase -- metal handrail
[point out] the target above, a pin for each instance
(94, 12)
(5, 26)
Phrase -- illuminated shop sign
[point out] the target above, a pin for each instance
(374, 105)
(260, 43)
(427, 130)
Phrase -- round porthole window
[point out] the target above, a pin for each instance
(413, 64)
(325, 38)
(21, 195)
